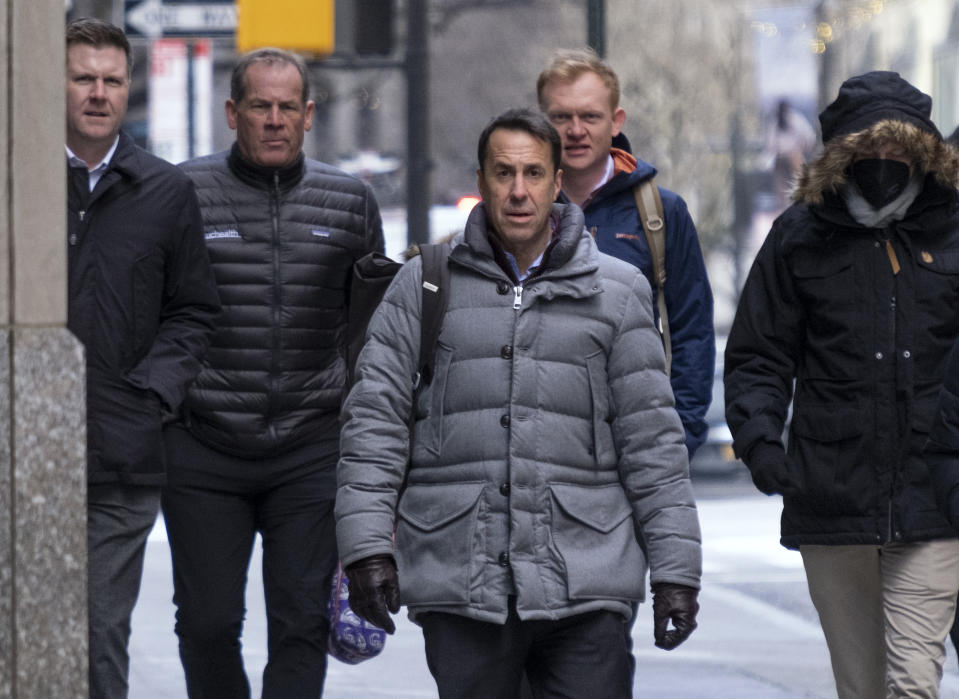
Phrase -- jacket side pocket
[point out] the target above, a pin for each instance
(593, 525)
(435, 542)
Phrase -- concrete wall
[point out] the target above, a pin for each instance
(43, 619)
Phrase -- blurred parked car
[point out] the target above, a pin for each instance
(715, 456)
(444, 220)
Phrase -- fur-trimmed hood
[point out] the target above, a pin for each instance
(829, 172)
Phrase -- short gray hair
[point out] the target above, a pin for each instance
(270, 56)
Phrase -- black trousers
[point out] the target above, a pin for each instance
(214, 505)
(580, 656)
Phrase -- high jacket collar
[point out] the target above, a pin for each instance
(260, 176)
(828, 173)
(934, 211)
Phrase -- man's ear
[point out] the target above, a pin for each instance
(308, 116)
(619, 118)
(231, 114)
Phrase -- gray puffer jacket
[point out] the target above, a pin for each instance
(545, 443)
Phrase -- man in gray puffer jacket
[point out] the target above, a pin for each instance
(547, 462)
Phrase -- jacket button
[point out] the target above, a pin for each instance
(906, 354)
(506, 352)
(504, 559)
(73, 239)
(878, 355)
(504, 489)
(504, 421)
(503, 288)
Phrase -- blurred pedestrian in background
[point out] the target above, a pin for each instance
(854, 299)
(790, 140)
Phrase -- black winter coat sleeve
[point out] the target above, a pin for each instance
(189, 310)
(762, 349)
(942, 449)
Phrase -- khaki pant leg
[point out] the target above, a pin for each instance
(846, 588)
(920, 583)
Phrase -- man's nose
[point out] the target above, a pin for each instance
(576, 126)
(273, 115)
(518, 189)
(98, 89)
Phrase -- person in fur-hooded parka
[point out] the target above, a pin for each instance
(849, 310)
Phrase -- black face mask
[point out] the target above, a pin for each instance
(880, 180)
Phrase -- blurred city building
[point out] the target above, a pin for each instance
(701, 81)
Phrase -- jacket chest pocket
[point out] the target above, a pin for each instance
(429, 431)
(937, 291)
(826, 279)
(829, 290)
(603, 448)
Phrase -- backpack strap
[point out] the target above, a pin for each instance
(436, 281)
(370, 278)
(650, 208)
(436, 293)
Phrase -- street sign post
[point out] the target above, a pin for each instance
(171, 18)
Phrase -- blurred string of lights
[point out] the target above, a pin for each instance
(843, 16)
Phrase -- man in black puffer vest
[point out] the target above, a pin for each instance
(258, 445)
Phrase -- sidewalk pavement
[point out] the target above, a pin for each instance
(758, 636)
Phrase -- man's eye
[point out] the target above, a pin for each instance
(558, 118)
(114, 82)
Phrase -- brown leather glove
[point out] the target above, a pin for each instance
(676, 603)
(374, 590)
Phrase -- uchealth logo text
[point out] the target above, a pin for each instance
(229, 233)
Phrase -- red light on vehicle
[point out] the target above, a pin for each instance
(467, 202)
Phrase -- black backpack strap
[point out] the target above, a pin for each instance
(371, 276)
(435, 290)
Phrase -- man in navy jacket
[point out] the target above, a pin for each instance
(579, 93)
(143, 303)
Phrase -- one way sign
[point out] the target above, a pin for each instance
(156, 18)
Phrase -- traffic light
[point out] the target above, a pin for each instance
(297, 25)
(373, 27)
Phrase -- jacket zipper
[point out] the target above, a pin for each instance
(74, 237)
(892, 486)
(895, 267)
(277, 297)
(517, 297)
